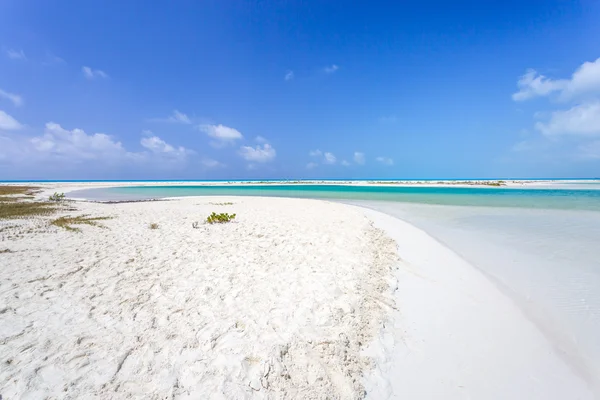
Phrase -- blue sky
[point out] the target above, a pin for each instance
(297, 89)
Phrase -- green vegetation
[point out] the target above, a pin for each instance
(154, 225)
(67, 222)
(57, 197)
(17, 190)
(24, 209)
(222, 204)
(221, 218)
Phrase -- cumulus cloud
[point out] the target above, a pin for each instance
(331, 69)
(325, 157)
(90, 73)
(8, 123)
(585, 79)
(14, 98)
(222, 135)
(261, 154)
(58, 147)
(158, 146)
(385, 160)
(329, 158)
(76, 145)
(359, 157)
(580, 120)
(15, 54)
(289, 76)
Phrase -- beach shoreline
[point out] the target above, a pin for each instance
(447, 331)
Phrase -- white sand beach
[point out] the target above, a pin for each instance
(295, 299)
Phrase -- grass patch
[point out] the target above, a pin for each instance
(12, 190)
(67, 222)
(6, 251)
(222, 204)
(154, 225)
(17, 209)
(221, 218)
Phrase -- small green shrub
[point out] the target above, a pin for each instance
(221, 218)
(57, 197)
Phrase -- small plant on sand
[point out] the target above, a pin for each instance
(222, 204)
(195, 225)
(66, 222)
(57, 197)
(221, 218)
(154, 225)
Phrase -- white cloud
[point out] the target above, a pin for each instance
(59, 142)
(326, 157)
(289, 75)
(15, 54)
(90, 73)
(58, 148)
(580, 120)
(179, 117)
(222, 134)
(329, 158)
(331, 69)
(261, 154)
(158, 146)
(8, 123)
(586, 79)
(345, 163)
(14, 98)
(385, 160)
(260, 139)
(359, 157)
(311, 165)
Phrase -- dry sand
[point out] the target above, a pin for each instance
(277, 304)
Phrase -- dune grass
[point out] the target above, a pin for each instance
(13, 190)
(25, 209)
(67, 222)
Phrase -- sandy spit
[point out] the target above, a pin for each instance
(279, 304)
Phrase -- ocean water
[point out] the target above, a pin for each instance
(539, 198)
(540, 246)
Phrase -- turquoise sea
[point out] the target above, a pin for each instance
(539, 198)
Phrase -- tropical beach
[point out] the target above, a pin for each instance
(294, 298)
(299, 200)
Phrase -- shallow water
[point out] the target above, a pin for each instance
(540, 198)
(540, 246)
